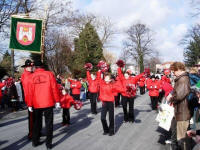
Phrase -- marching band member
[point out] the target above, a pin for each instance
(154, 92)
(107, 96)
(66, 102)
(44, 95)
(76, 88)
(129, 83)
(25, 77)
(93, 87)
(142, 84)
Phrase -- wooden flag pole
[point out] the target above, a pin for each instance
(43, 34)
(43, 38)
(12, 62)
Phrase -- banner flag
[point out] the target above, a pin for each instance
(26, 34)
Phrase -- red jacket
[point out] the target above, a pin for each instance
(160, 82)
(148, 82)
(1, 85)
(93, 85)
(130, 82)
(142, 82)
(75, 86)
(25, 78)
(167, 88)
(165, 79)
(66, 101)
(59, 86)
(107, 91)
(43, 89)
(154, 88)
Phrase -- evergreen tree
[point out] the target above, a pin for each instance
(192, 46)
(192, 53)
(5, 64)
(88, 48)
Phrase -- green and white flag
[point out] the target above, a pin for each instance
(26, 34)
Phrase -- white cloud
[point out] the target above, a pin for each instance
(168, 18)
(167, 42)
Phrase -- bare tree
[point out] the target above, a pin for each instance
(103, 25)
(125, 55)
(59, 53)
(110, 57)
(139, 43)
(152, 61)
(10, 7)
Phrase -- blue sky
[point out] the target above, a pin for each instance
(169, 19)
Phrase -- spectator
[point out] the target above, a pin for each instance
(58, 79)
(178, 98)
(12, 94)
(196, 134)
(1, 86)
(5, 98)
(19, 92)
(198, 67)
(83, 90)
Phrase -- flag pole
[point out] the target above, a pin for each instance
(43, 38)
(12, 62)
(43, 34)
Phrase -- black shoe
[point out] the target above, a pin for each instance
(36, 144)
(111, 134)
(49, 147)
(105, 133)
(29, 138)
(125, 121)
(41, 134)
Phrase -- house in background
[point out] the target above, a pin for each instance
(161, 67)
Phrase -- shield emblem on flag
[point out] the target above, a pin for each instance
(25, 33)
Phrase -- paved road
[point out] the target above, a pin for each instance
(85, 133)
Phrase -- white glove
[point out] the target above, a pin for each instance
(30, 109)
(57, 105)
(155, 86)
(151, 87)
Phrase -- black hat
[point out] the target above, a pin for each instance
(153, 76)
(38, 63)
(28, 63)
(157, 77)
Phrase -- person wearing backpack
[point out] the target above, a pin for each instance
(180, 103)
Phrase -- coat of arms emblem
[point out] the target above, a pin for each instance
(25, 33)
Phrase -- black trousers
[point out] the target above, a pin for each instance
(66, 116)
(161, 95)
(154, 102)
(30, 124)
(117, 100)
(93, 102)
(142, 90)
(76, 96)
(128, 115)
(173, 131)
(48, 114)
(107, 107)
